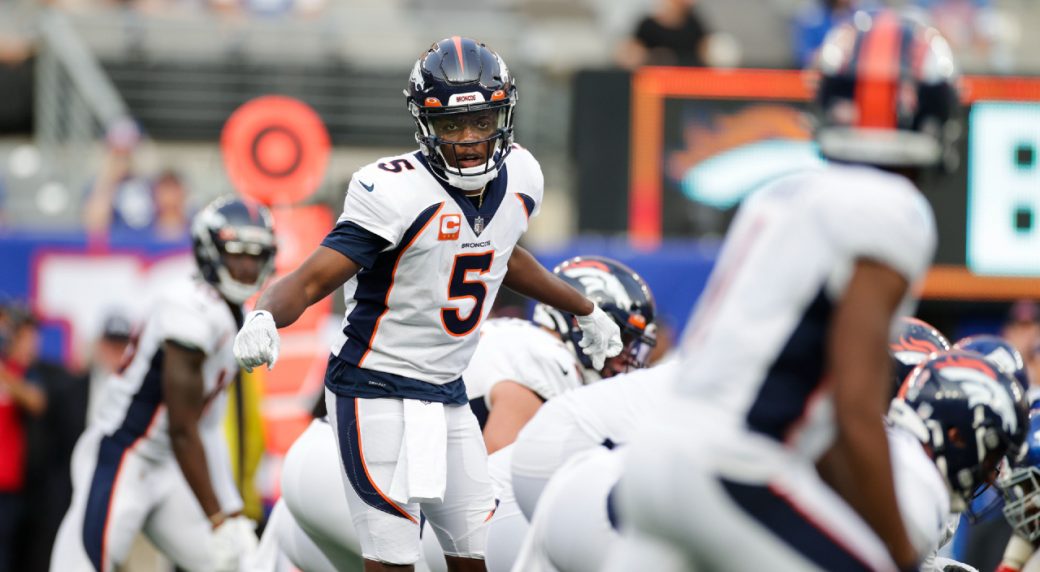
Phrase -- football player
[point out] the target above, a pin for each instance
(1021, 488)
(521, 364)
(516, 362)
(155, 459)
(950, 395)
(784, 375)
(424, 243)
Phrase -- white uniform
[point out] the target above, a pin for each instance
(602, 414)
(124, 473)
(753, 372)
(575, 527)
(522, 352)
(432, 263)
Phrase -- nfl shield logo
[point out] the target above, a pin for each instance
(478, 225)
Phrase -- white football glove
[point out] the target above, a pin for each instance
(257, 341)
(234, 542)
(601, 337)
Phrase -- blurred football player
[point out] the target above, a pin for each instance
(155, 459)
(784, 375)
(911, 342)
(424, 243)
(600, 416)
(517, 366)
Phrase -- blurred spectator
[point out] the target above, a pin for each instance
(18, 397)
(811, 24)
(673, 34)
(1022, 326)
(125, 204)
(108, 355)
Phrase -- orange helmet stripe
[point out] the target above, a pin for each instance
(878, 73)
(458, 52)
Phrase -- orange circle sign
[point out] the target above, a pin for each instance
(275, 149)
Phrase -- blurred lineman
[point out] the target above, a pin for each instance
(530, 362)
(155, 460)
(576, 525)
(519, 365)
(424, 243)
(784, 374)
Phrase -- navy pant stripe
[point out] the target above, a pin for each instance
(110, 457)
(354, 464)
(788, 524)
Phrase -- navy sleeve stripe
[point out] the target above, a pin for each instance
(356, 243)
(528, 203)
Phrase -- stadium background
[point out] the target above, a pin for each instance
(642, 165)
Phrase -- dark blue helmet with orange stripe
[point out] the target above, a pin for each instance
(912, 341)
(233, 226)
(459, 76)
(622, 294)
(969, 414)
(886, 93)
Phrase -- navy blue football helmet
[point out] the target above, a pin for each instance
(230, 225)
(456, 76)
(999, 351)
(1021, 487)
(619, 292)
(969, 413)
(887, 92)
(912, 342)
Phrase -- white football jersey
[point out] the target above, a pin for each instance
(192, 313)
(414, 310)
(755, 350)
(615, 409)
(924, 502)
(523, 352)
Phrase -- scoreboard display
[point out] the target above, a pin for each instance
(702, 139)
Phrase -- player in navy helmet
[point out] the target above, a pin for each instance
(784, 358)
(160, 418)
(969, 413)
(623, 294)
(425, 242)
(911, 343)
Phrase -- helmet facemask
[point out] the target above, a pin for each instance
(438, 134)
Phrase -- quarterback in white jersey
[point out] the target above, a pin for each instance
(424, 243)
(155, 459)
(784, 362)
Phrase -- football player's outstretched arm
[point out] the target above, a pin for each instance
(185, 401)
(859, 466)
(318, 276)
(526, 276)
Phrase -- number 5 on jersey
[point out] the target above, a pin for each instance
(461, 286)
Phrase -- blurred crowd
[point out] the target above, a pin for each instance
(43, 409)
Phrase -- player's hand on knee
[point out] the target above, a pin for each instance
(234, 542)
(257, 341)
(601, 337)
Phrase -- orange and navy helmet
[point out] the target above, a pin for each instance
(886, 93)
(912, 342)
(619, 292)
(969, 413)
(456, 76)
